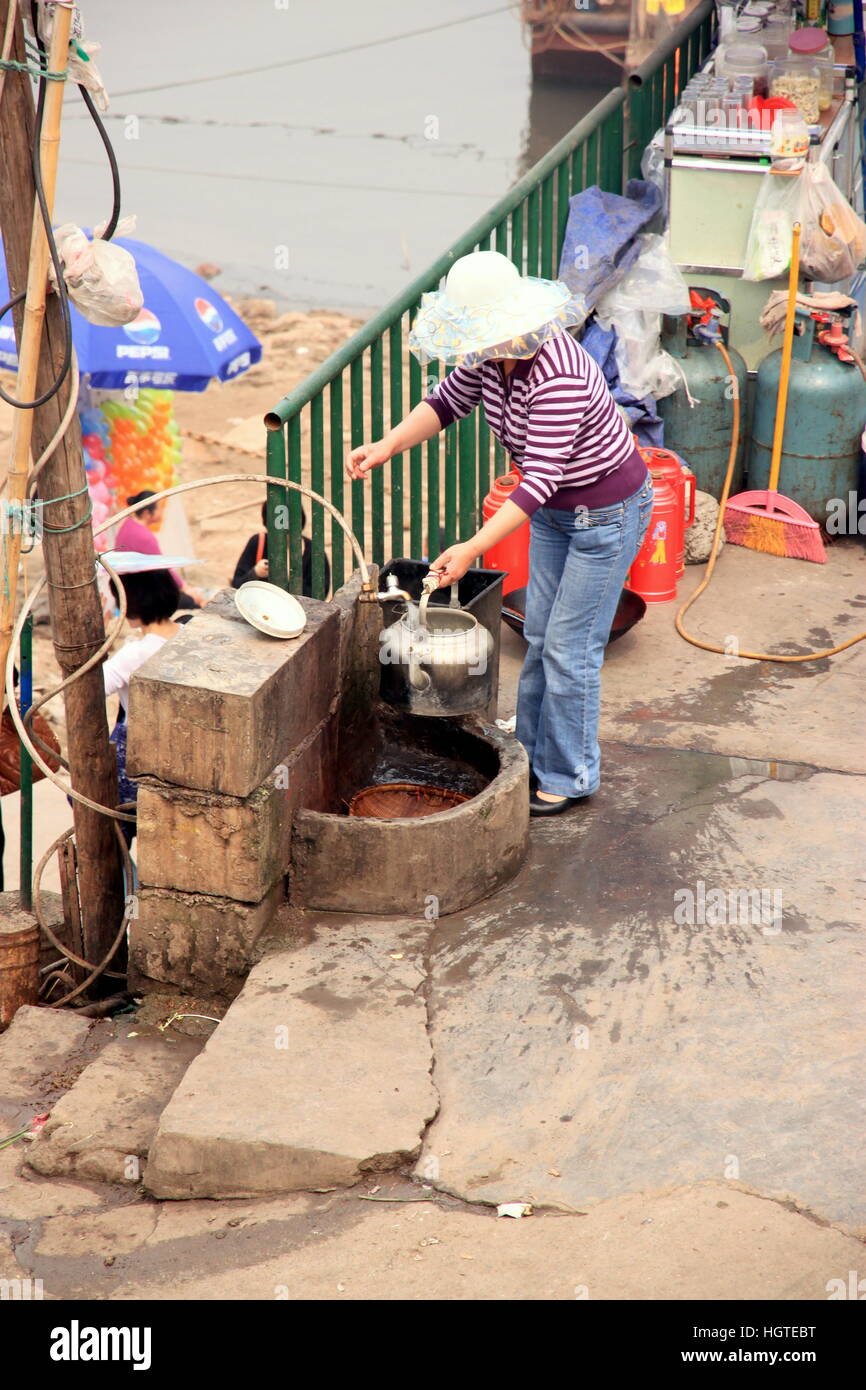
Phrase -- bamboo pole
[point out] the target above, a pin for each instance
(31, 333)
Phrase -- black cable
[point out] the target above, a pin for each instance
(112, 161)
(110, 229)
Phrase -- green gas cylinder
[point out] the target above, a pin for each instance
(701, 433)
(824, 420)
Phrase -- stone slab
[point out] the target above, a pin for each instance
(103, 1127)
(195, 941)
(319, 1071)
(221, 703)
(36, 1043)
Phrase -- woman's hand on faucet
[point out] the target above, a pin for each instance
(366, 457)
(453, 563)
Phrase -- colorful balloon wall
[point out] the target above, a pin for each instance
(129, 446)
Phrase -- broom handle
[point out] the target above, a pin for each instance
(785, 368)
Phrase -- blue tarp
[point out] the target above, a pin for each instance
(600, 237)
(643, 414)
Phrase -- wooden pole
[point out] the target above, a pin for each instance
(30, 340)
(76, 610)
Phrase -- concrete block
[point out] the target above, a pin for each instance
(36, 1043)
(197, 942)
(221, 703)
(103, 1127)
(237, 846)
(321, 1071)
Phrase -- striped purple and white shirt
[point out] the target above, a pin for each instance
(556, 417)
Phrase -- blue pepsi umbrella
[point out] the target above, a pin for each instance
(185, 336)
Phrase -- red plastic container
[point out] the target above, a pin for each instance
(653, 574)
(683, 482)
(512, 554)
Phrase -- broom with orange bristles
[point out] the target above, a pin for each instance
(765, 520)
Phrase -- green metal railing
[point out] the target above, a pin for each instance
(417, 504)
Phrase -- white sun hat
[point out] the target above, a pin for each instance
(488, 309)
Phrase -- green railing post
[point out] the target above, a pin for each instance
(294, 505)
(377, 429)
(395, 373)
(338, 459)
(278, 562)
(317, 482)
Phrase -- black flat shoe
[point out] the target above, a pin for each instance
(533, 781)
(537, 807)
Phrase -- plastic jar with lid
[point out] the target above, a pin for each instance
(812, 43)
(789, 140)
(799, 81)
(745, 60)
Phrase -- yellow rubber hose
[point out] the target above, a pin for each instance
(714, 550)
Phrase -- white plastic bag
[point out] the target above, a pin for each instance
(653, 284)
(101, 278)
(777, 208)
(833, 237)
(634, 308)
(82, 51)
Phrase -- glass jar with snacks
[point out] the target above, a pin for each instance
(813, 44)
(789, 141)
(800, 82)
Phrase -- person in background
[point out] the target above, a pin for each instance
(253, 561)
(138, 532)
(151, 601)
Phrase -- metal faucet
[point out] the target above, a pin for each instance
(393, 591)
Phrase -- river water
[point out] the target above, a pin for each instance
(318, 177)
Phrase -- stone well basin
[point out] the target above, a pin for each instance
(423, 867)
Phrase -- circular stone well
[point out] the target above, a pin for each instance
(434, 865)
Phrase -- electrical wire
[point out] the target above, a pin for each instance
(57, 263)
(312, 57)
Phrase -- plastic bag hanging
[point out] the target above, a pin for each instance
(101, 278)
(834, 238)
(81, 65)
(777, 208)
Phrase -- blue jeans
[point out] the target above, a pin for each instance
(578, 562)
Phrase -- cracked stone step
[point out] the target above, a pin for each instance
(103, 1127)
(319, 1071)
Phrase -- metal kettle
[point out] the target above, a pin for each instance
(436, 662)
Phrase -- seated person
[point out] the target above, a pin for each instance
(151, 600)
(138, 533)
(253, 562)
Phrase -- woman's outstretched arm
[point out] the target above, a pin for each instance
(420, 424)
